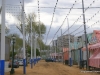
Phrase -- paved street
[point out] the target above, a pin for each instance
(51, 68)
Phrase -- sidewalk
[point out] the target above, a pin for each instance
(6, 67)
(19, 71)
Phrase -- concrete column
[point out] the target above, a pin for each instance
(2, 60)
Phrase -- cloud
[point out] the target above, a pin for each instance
(60, 14)
(17, 1)
(11, 19)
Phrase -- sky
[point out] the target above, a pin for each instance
(13, 10)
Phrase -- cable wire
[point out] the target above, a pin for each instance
(87, 21)
(56, 7)
(74, 22)
(51, 21)
(87, 27)
(79, 17)
(39, 18)
(64, 19)
(38, 11)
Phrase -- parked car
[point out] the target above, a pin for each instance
(15, 64)
(50, 60)
(20, 62)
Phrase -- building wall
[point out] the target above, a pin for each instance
(66, 55)
(7, 48)
(63, 41)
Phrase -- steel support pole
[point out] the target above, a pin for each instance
(34, 49)
(70, 59)
(40, 36)
(24, 58)
(2, 55)
(62, 47)
(55, 49)
(31, 46)
(50, 51)
(58, 49)
(13, 56)
(85, 32)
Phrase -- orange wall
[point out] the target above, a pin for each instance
(66, 55)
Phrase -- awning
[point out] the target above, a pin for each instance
(84, 48)
(95, 46)
(94, 60)
(92, 47)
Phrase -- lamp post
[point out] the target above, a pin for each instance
(12, 68)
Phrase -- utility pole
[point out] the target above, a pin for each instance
(46, 50)
(2, 59)
(55, 47)
(70, 60)
(24, 58)
(40, 29)
(85, 32)
(62, 47)
(0, 9)
(40, 35)
(50, 51)
(36, 48)
(31, 46)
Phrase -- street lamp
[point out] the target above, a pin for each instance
(12, 68)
